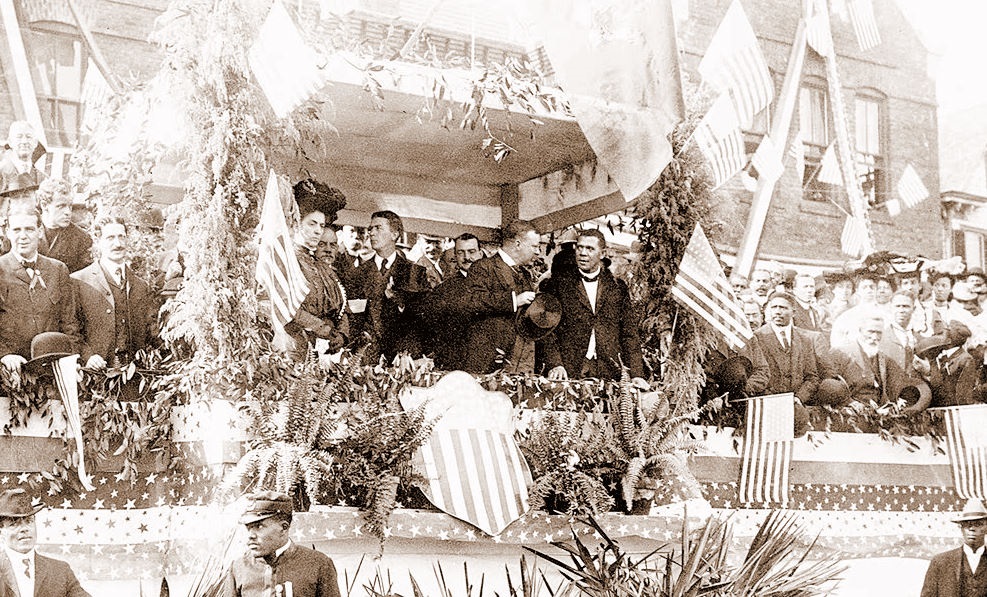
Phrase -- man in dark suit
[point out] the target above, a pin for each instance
(274, 565)
(962, 571)
(60, 238)
(391, 286)
(789, 351)
(445, 312)
(22, 152)
(498, 288)
(36, 293)
(23, 571)
(805, 314)
(117, 311)
(869, 373)
(597, 334)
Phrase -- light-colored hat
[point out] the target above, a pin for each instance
(973, 510)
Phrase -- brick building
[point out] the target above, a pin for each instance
(891, 105)
(964, 183)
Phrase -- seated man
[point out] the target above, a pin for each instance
(870, 374)
(60, 238)
(898, 341)
(847, 323)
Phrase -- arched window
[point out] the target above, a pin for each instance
(869, 143)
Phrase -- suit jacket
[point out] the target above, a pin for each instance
(96, 312)
(389, 322)
(796, 370)
(815, 321)
(70, 245)
(445, 317)
(953, 379)
(26, 312)
(942, 579)
(8, 171)
(492, 284)
(896, 350)
(310, 572)
(52, 578)
(615, 322)
(866, 384)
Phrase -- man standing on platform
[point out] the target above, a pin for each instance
(445, 312)
(23, 571)
(60, 238)
(274, 565)
(498, 288)
(962, 571)
(22, 152)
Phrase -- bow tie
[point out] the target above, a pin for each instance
(30, 264)
(589, 278)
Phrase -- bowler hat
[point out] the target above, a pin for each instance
(539, 318)
(733, 372)
(929, 348)
(957, 333)
(973, 510)
(916, 394)
(832, 391)
(16, 503)
(49, 346)
(778, 294)
(265, 504)
(23, 182)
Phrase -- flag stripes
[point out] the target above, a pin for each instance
(476, 475)
(735, 67)
(864, 24)
(829, 168)
(726, 156)
(854, 237)
(768, 446)
(701, 287)
(818, 34)
(277, 266)
(966, 444)
(911, 190)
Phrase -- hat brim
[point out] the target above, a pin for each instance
(38, 362)
(971, 517)
(34, 510)
(252, 517)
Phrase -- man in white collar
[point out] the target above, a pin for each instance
(22, 152)
(898, 341)
(274, 565)
(790, 353)
(597, 334)
(23, 571)
(961, 571)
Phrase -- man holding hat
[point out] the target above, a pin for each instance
(23, 571)
(597, 334)
(274, 565)
(962, 571)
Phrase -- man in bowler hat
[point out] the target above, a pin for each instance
(23, 571)
(274, 565)
(962, 571)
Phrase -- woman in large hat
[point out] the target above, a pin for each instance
(323, 312)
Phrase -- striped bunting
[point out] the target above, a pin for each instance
(829, 168)
(966, 444)
(701, 287)
(864, 24)
(854, 237)
(476, 475)
(911, 190)
(768, 446)
(286, 69)
(735, 66)
(277, 267)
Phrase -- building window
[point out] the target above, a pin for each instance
(871, 161)
(60, 61)
(814, 124)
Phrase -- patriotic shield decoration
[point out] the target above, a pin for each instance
(474, 468)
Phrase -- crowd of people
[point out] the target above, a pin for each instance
(885, 331)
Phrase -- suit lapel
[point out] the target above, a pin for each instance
(41, 572)
(14, 266)
(7, 575)
(98, 279)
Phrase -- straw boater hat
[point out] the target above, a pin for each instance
(265, 504)
(973, 510)
(16, 503)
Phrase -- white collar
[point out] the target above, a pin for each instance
(110, 266)
(279, 551)
(596, 274)
(389, 261)
(778, 330)
(507, 258)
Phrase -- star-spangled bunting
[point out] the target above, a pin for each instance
(768, 447)
(701, 286)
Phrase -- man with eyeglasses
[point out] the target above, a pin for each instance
(23, 571)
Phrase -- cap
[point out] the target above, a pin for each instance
(265, 504)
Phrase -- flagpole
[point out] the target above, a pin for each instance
(779, 134)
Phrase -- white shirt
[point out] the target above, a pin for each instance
(378, 260)
(512, 264)
(971, 556)
(113, 268)
(24, 574)
(591, 289)
(784, 335)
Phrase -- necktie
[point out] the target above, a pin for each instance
(27, 567)
(118, 276)
(590, 278)
(784, 340)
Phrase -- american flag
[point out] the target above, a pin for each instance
(768, 447)
(767, 160)
(864, 23)
(701, 286)
(719, 139)
(911, 190)
(277, 267)
(817, 30)
(829, 168)
(966, 443)
(287, 70)
(735, 67)
(854, 236)
(477, 475)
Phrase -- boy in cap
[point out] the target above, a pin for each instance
(961, 571)
(22, 570)
(274, 565)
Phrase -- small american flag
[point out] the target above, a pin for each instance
(287, 70)
(768, 446)
(854, 236)
(966, 443)
(817, 31)
(767, 160)
(864, 23)
(720, 141)
(701, 286)
(911, 190)
(277, 267)
(735, 67)
(829, 168)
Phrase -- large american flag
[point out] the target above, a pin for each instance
(477, 475)
(768, 446)
(864, 23)
(735, 67)
(277, 267)
(966, 443)
(701, 286)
